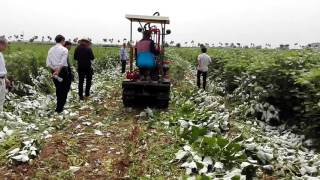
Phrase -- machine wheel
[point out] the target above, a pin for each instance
(145, 94)
(163, 104)
(128, 102)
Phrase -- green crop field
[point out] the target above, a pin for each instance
(259, 118)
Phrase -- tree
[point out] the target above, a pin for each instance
(268, 45)
(21, 37)
(33, 39)
(49, 38)
(75, 40)
(178, 45)
(16, 37)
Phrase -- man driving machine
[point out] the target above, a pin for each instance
(145, 56)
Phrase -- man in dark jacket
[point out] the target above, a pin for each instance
(84, 56)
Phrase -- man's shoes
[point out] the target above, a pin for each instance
(84, 98)
(59, 111)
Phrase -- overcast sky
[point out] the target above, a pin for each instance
(212, 21)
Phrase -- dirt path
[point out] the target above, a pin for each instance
(105, 142)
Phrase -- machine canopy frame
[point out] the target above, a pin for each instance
(148, 19)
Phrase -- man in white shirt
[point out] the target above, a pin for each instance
(57, 61)
(203, 62)
(4, 82)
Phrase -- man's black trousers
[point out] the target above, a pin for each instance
(123, 66)
(204, 77)
(62, 89)
(85, 74)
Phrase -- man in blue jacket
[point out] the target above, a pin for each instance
(145, 55)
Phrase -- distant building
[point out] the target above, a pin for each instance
(314, 45)
(259, 47)
(284, 46)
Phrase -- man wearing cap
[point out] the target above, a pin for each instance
(4, 82)
(57, 61)
(84, 56)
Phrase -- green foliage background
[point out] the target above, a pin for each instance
(289, 79)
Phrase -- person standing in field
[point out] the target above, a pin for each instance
(123, 58)
(4, 82)
(84, 56)
(203, 62)
(57, 61)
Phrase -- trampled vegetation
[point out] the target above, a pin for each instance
(259, 118)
